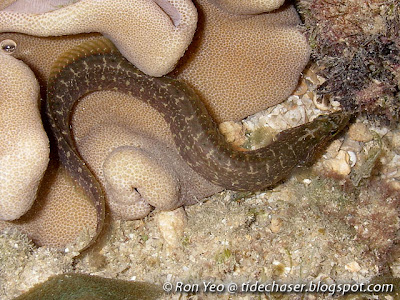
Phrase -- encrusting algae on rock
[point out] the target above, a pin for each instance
(357, 46)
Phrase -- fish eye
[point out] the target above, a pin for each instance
(8, 46)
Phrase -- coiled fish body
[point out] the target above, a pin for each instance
(97, 65)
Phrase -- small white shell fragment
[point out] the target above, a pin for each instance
(276, 224)
(233, 132)
(321, 103)
(171, 225)
(340, 164)
(353, 158)
(353, 267)
(301, 89)
(321, 80)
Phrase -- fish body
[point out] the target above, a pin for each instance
(97, 65)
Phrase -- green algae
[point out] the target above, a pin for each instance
(74, 286)
(259, 138)
(223, 256)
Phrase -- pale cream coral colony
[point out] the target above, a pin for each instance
(102, 123)
(172, 26)
(248, 7)
(24, 146)
(162, 32)
(262, 57)
(153, 35)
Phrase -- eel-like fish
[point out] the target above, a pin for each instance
(97, 65)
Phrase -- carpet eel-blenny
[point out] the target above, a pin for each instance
(97, 65)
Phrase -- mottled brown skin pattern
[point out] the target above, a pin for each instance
(195, 133)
